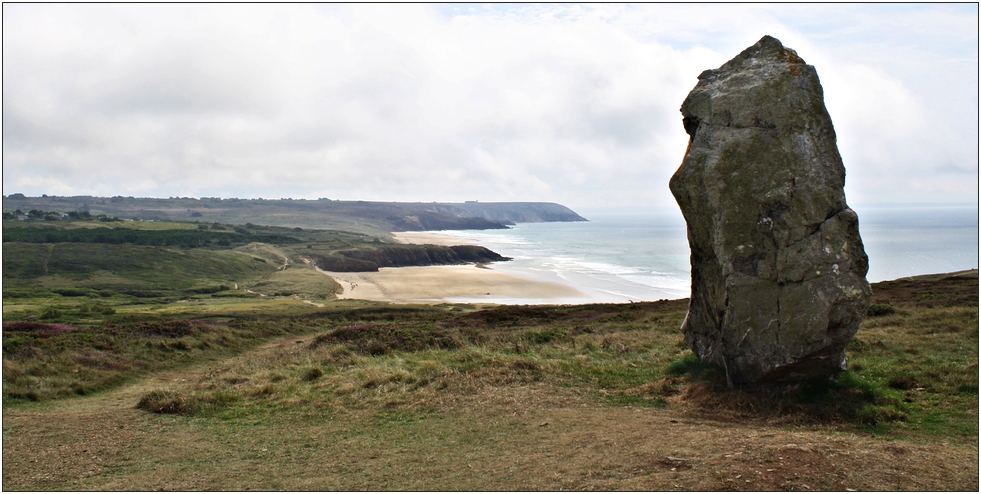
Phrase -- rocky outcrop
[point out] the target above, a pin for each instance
(394, 256)
(778, 266)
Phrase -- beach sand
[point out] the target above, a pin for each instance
(431, 238)
(438, 284)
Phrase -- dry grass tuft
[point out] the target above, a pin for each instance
(665, 387)
(164, 402)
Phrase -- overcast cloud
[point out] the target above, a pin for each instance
(565, 103)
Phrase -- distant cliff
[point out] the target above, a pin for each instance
(510, 213)
(373, 218)
(475, 215)
(394, 256)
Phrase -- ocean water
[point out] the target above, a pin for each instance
(627, 256)
(907, 241)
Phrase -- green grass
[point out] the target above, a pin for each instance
(305, 283)
(60, 281)
(913, 364)
(924, 364)
(392, 358)
(621, 355)
(83, 361)
(402, 397)
(99, 268)
(49, 266)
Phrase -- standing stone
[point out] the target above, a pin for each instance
(777, 264)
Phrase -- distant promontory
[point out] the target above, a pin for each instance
(358, 216)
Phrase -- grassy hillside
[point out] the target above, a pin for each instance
(911, 366)
(57, 268)
(463, 397)
(50, 267)
(148, 355)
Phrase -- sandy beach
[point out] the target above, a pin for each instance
(431, 238)
(438, 284)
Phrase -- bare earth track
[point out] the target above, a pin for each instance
(500, 439)
(523, 437)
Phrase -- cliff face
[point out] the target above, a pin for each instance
(393, 256)
(510, 213)
(477, 215)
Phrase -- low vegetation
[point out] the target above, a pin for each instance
(372, 218)
(48, 361)
(118, 357)
(913, 370)
(909, 372)
(59, 271)
(172, 237)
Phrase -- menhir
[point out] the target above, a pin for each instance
(777, 264)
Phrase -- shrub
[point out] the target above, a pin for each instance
(877, 310)
(144, 293)
(165, 401)
(97, 309)
(235, 294)
(70, 292)
(543, 336)
(50, 313)
(312, 374)
(38, 328)
(376, 339)
(170, 329)
(210, 289)
(902, 382)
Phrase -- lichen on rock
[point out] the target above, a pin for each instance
(778, 267)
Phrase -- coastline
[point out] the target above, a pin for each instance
(481, 283)
(610, 260)
(542, 252)
(456, 284)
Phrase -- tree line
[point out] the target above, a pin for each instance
(178, 238)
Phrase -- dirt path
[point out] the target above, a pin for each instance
(73, 444)
(524, 437)
(127, 396)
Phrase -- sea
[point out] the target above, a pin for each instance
(630, 255)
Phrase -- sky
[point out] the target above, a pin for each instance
(575, 104)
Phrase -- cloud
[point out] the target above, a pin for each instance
(575, 104)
